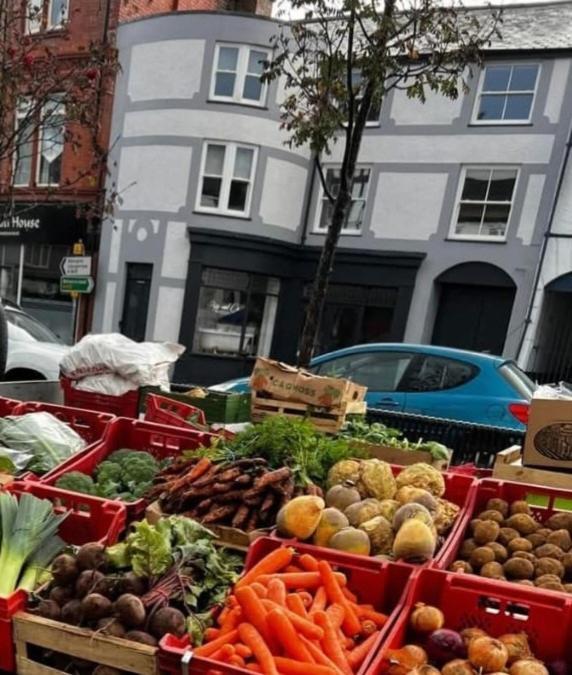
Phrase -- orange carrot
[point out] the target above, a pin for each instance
(242, 650)
(254, 667)
(295, 604)
(273, 562)
(352, 597)
(320, 600)
(211, 634)
(222, 617)
(306, 598)
(259, 589)
(318, 655)
(357, 655)
(281, 626)
(300, 580)
(308, 562)
(255, 642)
(291, 667)
(330, 643)
(277, 591)
(303, 626)
(223, 654)
(337, 614)
(378, 618)
(237, 660)
(368, 627)
(351, 625)
(293, 569)
(254, 612)
(233, 618)
(231, 601)
(211, 647)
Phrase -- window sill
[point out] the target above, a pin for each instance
(343, 233)
(223, 214)
(501, 123)
(46, 33)
(240, 104)
(477, 239)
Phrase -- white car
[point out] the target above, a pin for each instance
(34, 351)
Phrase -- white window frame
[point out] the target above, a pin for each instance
(479, 237)
(240, 76)
(39, 152)
(34, 27)
(227, 177)
(43, 22)
(321, 196)
(28, 103)
(57, 26)
(476, 121)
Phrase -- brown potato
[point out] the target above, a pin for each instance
(474, 524)
(546, 577)
(519, 544)
(523, 523)
(560, 538)
(501, 554)
(500, 505)
(549, 566)
(486, 531)
(544, 531)
(460, 566)
(481, 556)
(506, 534)
(526, 555)
(518, 568)
(536, 539)
(520, 506)
(523, 582)
(491, 514)
(552, 586)
(567, 562)
(467, 547)
(560, 521)
(549, 551)
(492, 570)
(568, 588)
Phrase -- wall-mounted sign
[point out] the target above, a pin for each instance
(40, 223)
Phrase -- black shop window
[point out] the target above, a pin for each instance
(236, 313)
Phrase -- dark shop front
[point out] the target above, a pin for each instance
(33, 240)
(245, 297)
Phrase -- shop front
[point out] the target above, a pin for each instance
(246, 296)
(33, 241)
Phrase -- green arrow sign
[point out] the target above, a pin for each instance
(76, 284)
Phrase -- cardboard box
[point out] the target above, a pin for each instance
(294, 384)
(392, 455)
(548, 440)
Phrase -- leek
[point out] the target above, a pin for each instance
(28, 525)
(39, 563)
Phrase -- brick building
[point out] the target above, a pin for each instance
(51, 187)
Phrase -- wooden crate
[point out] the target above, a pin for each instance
(508, 466)
(328, 420)
(34, 631)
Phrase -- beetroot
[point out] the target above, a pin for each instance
(110, 626)
(95, 606)
(130, 610)
(48, 609)
(64, 570)
(61, 594)
(143, 638)
(86, 582)
(167, 620)
(91, 556)
(72, 612)
(445, 645)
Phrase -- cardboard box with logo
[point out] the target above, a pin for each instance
(548, 439)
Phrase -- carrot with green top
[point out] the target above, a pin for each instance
(210, 648)
(274, 562)
(291, 667)
(351, 625)
(295, 604)
(255, 642)
(358, 654)
(303, 626)
(331, 644)
(281, 626)
(277, 592)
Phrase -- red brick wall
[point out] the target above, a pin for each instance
(131, 9)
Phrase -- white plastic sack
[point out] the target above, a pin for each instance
(114, 385)
(559, 392)
(111, 354)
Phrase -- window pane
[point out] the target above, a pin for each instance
(496, 78)
(58, 12)
(252, 88)
(359, 185)
(326, 214)
(355, 215)
(333, 180)
(227, 58)
(502, 186)
(237, 195)
(476, 183)
(33, 16)
(491, 107)
(523, 78)
(52, 145)
(256, 62)
(496, 217)
(211, 192)
(469, 219)
(518, 107)
(243, 163)
(219, 321)
(215, 160)
(224, 84)
(373, 112)
(24, 150)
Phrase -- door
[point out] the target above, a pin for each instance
(379, 371)
(136, 301)
(473, 317)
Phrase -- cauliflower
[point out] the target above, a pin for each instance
(422, 476)
(76, 481)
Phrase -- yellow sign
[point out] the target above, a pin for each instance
(78, 248)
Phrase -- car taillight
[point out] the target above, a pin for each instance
(520, 411)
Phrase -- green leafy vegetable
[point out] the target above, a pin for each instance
(76, 481)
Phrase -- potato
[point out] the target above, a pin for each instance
(467, 547)
(481, 556)
(486, 531)
(520, 506)
(518, 568)
(549, 566)
(560, 538)
(500, 505)
(522, 523)
(506, 534)
(492, 570)
(549, 551)
(501, 554)
(491, 514)
(519, 544)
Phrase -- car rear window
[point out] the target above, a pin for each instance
(518, 379)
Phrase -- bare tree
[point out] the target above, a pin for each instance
(340, 62)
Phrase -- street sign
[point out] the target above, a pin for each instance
(76, 284)
(76, 266)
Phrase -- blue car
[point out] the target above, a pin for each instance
(428, 380)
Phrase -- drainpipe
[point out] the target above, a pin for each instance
(547, 235)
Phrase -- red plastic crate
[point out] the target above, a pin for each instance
(122, 406)
(159, 440)
(163, 410)
(468, 601)
(7, 406)
(487, 489)
(379, 583)
(459, 489)
(90, 520)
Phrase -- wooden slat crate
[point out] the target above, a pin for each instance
(508, 466)
(34, 631)
(329, 420)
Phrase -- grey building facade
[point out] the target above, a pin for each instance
(218, 224)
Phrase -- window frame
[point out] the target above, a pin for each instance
(34, 139)
(322, 195)
(226, 178)
(38, 152)
(478, 122)
(56, 26)
(240, 75)
(43, 23)
(457, 206)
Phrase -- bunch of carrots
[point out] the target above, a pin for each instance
(293, 617)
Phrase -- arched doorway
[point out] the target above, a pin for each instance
(475, 304)
(552, 354)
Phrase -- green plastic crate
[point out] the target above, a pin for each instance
(219, 407)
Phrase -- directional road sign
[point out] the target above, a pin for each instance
(76, 284)
(76, 266)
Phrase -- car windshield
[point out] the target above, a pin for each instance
(31, 327)
(518, 379)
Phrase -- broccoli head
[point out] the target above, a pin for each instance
(124, 456)
(137, 470)
(108, 471)
(76, 481)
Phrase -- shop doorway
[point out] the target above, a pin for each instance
(475, 305)
(136, 301)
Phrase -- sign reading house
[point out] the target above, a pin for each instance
(40, 223)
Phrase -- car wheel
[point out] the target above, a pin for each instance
(23, 375)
